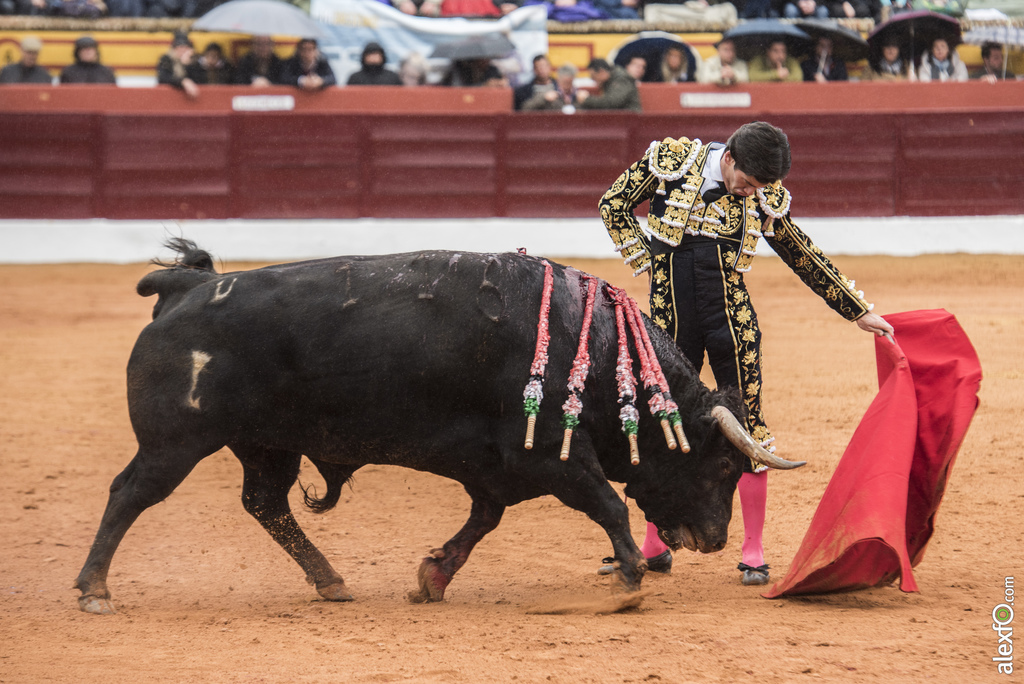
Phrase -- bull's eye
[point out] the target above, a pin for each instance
(727, 467)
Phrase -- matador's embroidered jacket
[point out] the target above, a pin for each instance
(669, 175)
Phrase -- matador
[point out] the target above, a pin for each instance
(710, 204)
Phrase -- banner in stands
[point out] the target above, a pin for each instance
(352, 24)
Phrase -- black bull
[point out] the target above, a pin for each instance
(417, 360)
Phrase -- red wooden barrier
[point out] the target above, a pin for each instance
(82, 152)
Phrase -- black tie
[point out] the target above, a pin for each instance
(713, 194)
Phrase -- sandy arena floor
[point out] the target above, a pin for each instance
(205, 595)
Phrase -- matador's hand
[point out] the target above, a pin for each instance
(873, 323)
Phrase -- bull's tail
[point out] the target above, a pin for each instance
(188, 256)
(335, 475)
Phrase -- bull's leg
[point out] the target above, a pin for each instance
(147, 480)
(581, 484)
(269, 474)
(437, 569)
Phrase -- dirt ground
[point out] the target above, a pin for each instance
(203, 594)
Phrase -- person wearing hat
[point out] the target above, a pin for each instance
(178, 67)
(617, 89)
(27, 70)
(724, 69)
(373, 72)
(87, 67)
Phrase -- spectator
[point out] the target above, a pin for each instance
(261, 66)
(562, 97)
(125, 8)
(27, 70)
(540, 84)
(618, 9)
(469, 8)
(805, 9)
(27, 7)
(992, 68)
(775, 64)
(85, 9)
(757, 9)
(307, 69)
(507, 6)
(856, 9)
(941, 64)
(179, 68)
(617, 89)
(675, 67)
(373, 71)
(724, 68)
(889, 66)
(820, 66)
(413, 70)
(422, 8)
(87, 67)
(474, 72)
(217, 70)
(637, 68)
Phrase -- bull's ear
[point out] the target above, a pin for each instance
(741, 439)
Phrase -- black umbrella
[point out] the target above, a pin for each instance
(488, 46)
(753, 37)
(847, 44)
(651, 45)
(914, 33)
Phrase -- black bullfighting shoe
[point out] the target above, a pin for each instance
(753, 576)
(661, 563)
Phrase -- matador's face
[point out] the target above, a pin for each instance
(737, 182)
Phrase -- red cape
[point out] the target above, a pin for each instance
(878, 511)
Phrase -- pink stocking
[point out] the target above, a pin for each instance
(652, 546)
(753, 489)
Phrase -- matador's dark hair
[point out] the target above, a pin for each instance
(760, 151)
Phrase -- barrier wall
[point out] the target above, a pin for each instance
(83, 152)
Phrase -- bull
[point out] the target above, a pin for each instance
(416, 360)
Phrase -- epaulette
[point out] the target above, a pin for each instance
(670, 159)
(774, 200)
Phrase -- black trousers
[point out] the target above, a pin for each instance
(703, 303)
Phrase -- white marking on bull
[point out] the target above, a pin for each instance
(199, 361)
(218, 295)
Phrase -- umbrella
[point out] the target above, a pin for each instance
(753, 37)
(914, 32)
(847, 44)
(1004, 34)
(488, 46)
(261, 18)
(651, 45)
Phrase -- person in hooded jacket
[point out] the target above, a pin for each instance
(373, 72)
(87, 67)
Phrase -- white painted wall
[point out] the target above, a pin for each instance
(102, 241)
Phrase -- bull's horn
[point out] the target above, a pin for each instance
(742, 440)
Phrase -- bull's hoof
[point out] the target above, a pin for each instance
(336, 591)
(432, 580)
(96, 605)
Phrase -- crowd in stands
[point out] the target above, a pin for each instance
(558, 10)
(611, 86)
